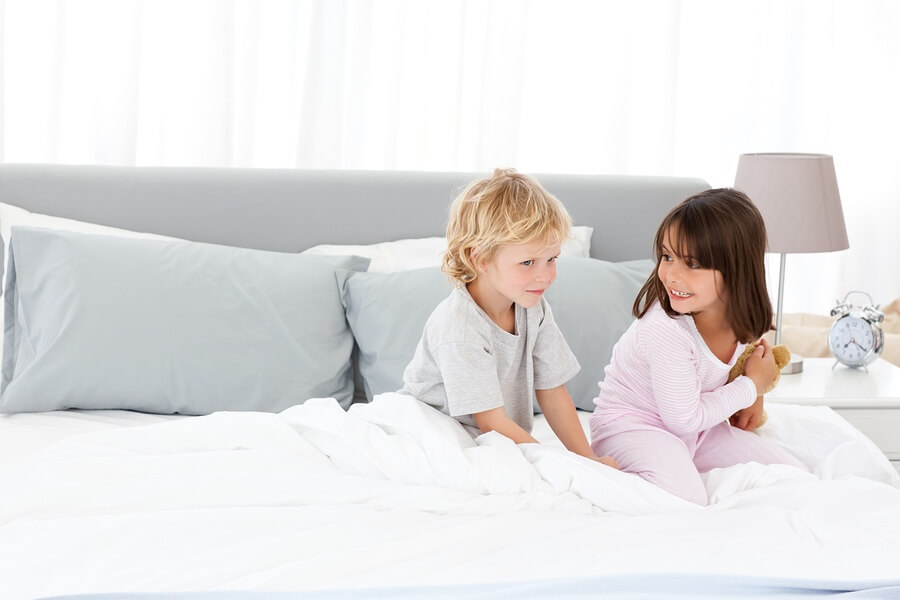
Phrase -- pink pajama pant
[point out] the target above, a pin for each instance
(675, 464)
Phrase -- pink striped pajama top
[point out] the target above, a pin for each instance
(662, 375)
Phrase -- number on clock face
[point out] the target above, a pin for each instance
(851, 339)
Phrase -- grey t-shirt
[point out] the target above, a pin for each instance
(465, 363)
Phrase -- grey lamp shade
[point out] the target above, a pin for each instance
(798, 197)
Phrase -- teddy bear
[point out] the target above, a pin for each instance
(782, 357)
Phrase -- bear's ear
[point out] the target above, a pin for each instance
(782, 355)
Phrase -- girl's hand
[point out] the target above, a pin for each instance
(761, 367)
(609, 461)
(750, 418)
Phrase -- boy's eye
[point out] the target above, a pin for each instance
(528, 263)
(552, 259)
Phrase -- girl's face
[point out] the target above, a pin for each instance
(691, 289)
(519, 273)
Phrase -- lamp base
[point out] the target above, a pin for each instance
(794, 366)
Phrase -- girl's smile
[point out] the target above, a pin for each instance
(677, 295)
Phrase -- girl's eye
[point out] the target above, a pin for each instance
(665, 258)
(694, 265)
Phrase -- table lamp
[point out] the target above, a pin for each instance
(797, 195)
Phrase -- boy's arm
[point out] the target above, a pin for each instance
(557, 406)
(559, 410)
(496, 420)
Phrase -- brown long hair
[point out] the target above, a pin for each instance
(721, 229)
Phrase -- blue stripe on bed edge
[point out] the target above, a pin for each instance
(665, 585)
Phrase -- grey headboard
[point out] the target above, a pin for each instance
(290, 210)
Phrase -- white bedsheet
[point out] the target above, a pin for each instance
(394, 493)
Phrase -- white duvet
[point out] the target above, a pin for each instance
(394, 493)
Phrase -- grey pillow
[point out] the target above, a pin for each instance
(97, 322)
(387, 313)
(591, 301)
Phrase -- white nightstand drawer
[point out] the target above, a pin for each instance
(880, 425)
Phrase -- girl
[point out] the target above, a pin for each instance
(663, 405)
(492, 344)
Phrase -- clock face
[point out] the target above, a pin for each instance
(852, 341)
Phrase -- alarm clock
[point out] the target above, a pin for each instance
(856, 338)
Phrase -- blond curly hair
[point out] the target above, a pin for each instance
(506, 208)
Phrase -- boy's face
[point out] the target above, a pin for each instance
(520, 273)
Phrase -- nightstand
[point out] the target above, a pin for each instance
(869, 400)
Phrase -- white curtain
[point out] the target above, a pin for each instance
(651, 87)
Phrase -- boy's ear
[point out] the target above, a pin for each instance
(476, 258)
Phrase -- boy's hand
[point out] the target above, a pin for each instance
(609, 461)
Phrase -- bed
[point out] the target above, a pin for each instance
(198, 376)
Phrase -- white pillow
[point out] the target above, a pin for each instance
(418, 253)
(387, 257)
(14, 216)
(579, 244)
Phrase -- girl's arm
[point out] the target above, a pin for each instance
(750, 418)
(496, 420)
(761, 368)
(672, 356)
(559, 410)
